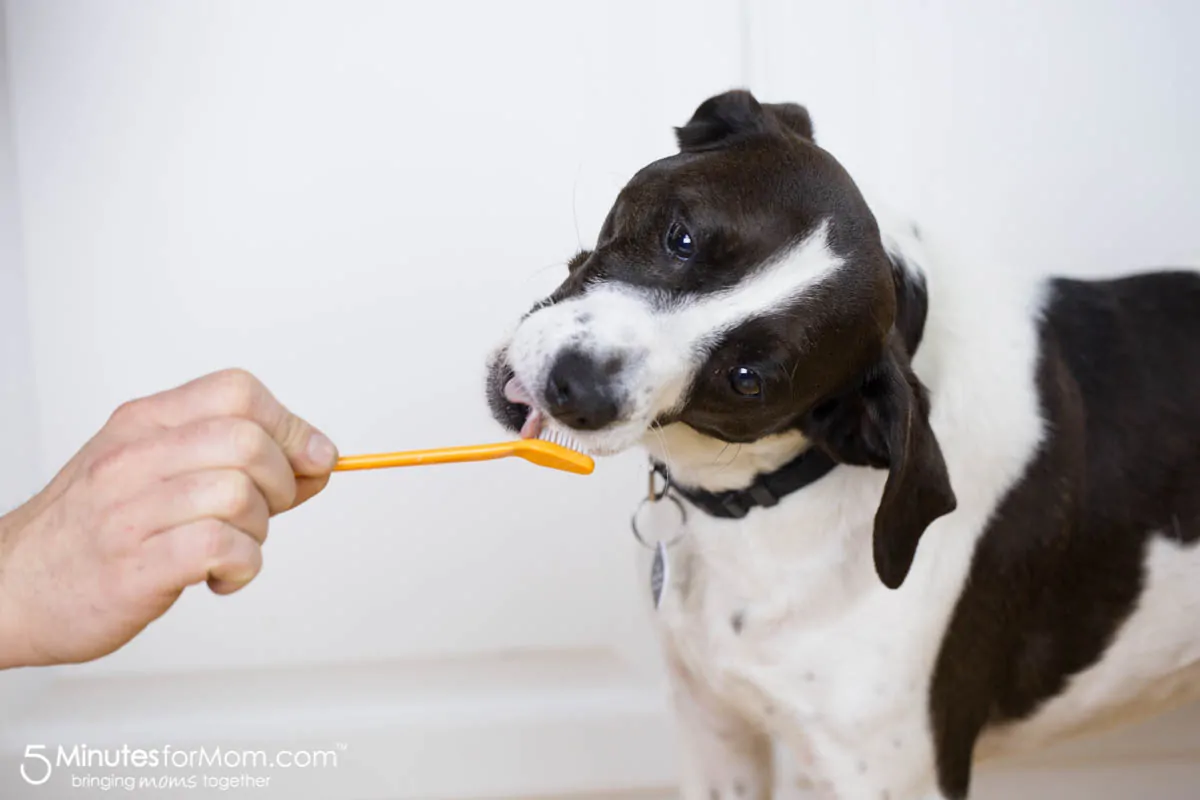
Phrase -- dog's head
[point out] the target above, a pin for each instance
(739, 287)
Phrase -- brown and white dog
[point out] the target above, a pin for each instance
(933, 513)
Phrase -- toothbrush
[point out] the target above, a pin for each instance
(552, 449)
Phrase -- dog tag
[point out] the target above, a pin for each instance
(660, 573)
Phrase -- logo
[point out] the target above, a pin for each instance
(133, 768)
(33, 751)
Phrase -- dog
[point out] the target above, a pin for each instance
(931, 513)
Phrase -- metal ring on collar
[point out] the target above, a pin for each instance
(637, 534)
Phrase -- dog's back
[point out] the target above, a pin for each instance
(1132, 346)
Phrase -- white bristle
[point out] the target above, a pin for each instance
(562, 439)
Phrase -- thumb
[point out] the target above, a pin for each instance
(310, 452)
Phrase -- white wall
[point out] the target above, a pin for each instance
(353, 199)
(17, 409)
(20, 458)
(1044, 135)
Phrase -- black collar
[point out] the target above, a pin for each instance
(766, 490)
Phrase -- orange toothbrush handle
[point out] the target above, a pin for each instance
(416, 458)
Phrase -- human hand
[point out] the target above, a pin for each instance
(175, 489)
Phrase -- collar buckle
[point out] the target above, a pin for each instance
(734, 507)
(762, 495)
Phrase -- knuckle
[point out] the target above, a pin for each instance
(216, 539)
(250, 442)
(109, 464)
(237, 494)
(238, 390)
(129, 412)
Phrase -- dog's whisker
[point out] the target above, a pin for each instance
(662, 439)
(732, 460)
(537, 271)
(656, 428)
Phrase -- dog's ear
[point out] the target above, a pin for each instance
(794, 117)
(737, 113)
(719, 118)
(884, 423)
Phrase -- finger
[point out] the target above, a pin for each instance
(207, 444)
(237, 393)
(307, 488)
(227, 495)
(206, 550)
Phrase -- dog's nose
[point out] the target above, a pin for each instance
(579, 392)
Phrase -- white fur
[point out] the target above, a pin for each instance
(1154, 664)
(827, 660)
(659, 341)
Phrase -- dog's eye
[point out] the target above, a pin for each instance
(679, 242)
(745, 381)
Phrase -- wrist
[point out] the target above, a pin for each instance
(15, 650)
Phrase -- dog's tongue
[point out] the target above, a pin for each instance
(515, 392)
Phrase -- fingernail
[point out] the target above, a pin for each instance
(321, 451)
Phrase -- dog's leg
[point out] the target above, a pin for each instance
(724, 756)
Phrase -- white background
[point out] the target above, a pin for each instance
(354, 200)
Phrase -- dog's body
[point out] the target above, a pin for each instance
(777, 624)
(1041, 440)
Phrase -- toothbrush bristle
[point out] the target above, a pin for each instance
(562, 439)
